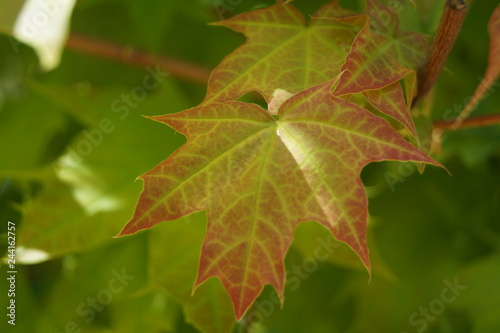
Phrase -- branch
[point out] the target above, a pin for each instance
(446, 35)
(475, 122)
(130, 56)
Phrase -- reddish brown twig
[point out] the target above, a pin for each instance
(446, 35)
(475, 122)
(131, 56)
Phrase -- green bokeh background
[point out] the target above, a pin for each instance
(424, 230)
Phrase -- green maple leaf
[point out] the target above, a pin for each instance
(258, 178)
(283, 52)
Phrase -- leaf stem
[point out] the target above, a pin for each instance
(451, 22)
(130, 56)
(475, 122)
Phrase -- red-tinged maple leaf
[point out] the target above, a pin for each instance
(391, 101)
(258, 177)
(380, 55)
(282, 52)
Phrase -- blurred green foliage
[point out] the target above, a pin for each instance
(424, 231)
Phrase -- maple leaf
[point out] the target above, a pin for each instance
(380, 55)
(258, 177)
(282, 52)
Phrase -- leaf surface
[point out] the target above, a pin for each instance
(258, 178)
(380, 55)
(390, 100)
(282, 52)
